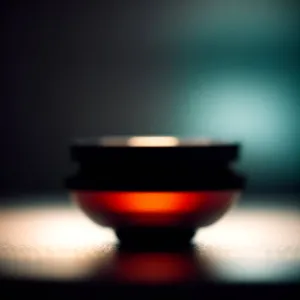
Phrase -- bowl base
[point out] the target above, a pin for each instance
(155, 237)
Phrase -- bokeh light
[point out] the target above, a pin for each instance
(258, 110)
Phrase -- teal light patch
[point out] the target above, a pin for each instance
(255, 110)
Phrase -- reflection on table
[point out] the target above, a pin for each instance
(252, 244)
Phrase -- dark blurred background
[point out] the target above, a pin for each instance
(221, 69)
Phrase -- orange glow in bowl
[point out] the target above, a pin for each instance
(154, 208)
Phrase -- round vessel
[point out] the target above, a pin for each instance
(154, 188)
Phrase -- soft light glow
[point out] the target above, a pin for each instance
(153, 141)
(153, 202)
(59, 242)
(258, 229)
(244, 108)
(66, 228)
(53, 242)
(253, 245)
(155, 208)
(257, 109)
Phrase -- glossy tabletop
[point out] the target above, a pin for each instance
(45, 238)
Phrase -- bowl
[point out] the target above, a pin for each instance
(154, 190)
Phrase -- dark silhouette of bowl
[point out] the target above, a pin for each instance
(154, 188)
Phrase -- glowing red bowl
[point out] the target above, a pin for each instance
(158, 188)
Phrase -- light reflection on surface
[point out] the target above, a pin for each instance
(245, 232)
(153, 141)
(154, 267)
(253, 245)
(150, 141)
(52, 242)
(60, 242)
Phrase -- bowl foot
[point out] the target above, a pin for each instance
(155, 237)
